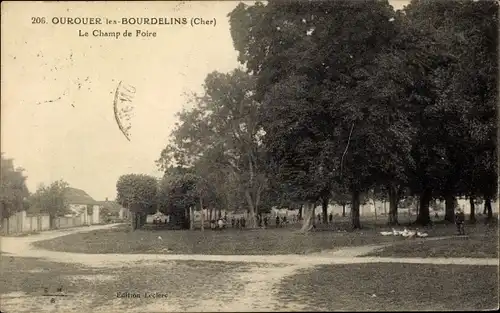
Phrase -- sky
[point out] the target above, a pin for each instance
(57, 87)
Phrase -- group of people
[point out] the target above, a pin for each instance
(238, 222)
(262, 221)
(330, 218)
(279, 221)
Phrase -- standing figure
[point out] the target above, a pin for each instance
(277, 221)
(330, 218)
(459, 221)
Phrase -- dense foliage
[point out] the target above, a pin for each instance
(13, 190)
(339, 101)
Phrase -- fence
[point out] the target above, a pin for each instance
(21, 222)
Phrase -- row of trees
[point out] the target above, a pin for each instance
(344, 98)
(178, 194)
(15, 196)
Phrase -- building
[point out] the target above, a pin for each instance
(124, 214)
(81, 204)
(111, 209)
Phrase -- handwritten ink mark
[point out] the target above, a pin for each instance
(123, 95)
(53, 100)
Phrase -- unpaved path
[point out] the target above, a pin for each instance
(259, 292)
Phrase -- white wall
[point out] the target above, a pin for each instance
(96, 210)
(123, 214)
(464, 204)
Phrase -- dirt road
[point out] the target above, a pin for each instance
(259, 291)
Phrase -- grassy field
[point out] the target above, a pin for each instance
(473, 247)
(24, 280)
(393, 287)
(229, 241)
(481, 242)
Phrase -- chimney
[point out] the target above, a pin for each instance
(106, 199)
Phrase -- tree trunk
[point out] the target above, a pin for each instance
(139, 220)
(219, 213)
(418, 206)
(210, 211)
(251, 214)
(355, 204)
(324, 209)
(191, 218)
(2, 208)
(375, 208)
(202, 215)
(450, 202)
(187, 219)
(487, 207)
(309, 216)
(393, 206)
(134, 220)
(472, 215)
(343, 210)
(423, 213)
(300, 211)
(52, 220)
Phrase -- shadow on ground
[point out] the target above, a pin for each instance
(406, 287)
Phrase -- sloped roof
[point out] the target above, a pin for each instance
(112, 206)
(78, 196)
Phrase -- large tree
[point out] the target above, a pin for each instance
(138, 193)
(220, 132)
(13, 190)
(457, 100)
(51, 199)
(330, 104)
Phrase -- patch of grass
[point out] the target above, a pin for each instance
(183, 281)
(406, 287)
(481, 242)
(474, 247)
(226, 242)
(31, 275)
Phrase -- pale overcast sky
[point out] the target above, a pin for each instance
(75, 137)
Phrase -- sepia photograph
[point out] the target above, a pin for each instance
(249, 156)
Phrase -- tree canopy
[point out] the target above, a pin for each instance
(342, 99)
(13, 190)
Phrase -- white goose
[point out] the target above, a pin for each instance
(386, 233)
(412, 233)
(421, 235)
(396, 232)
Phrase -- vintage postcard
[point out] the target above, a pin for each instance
(245, 156)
